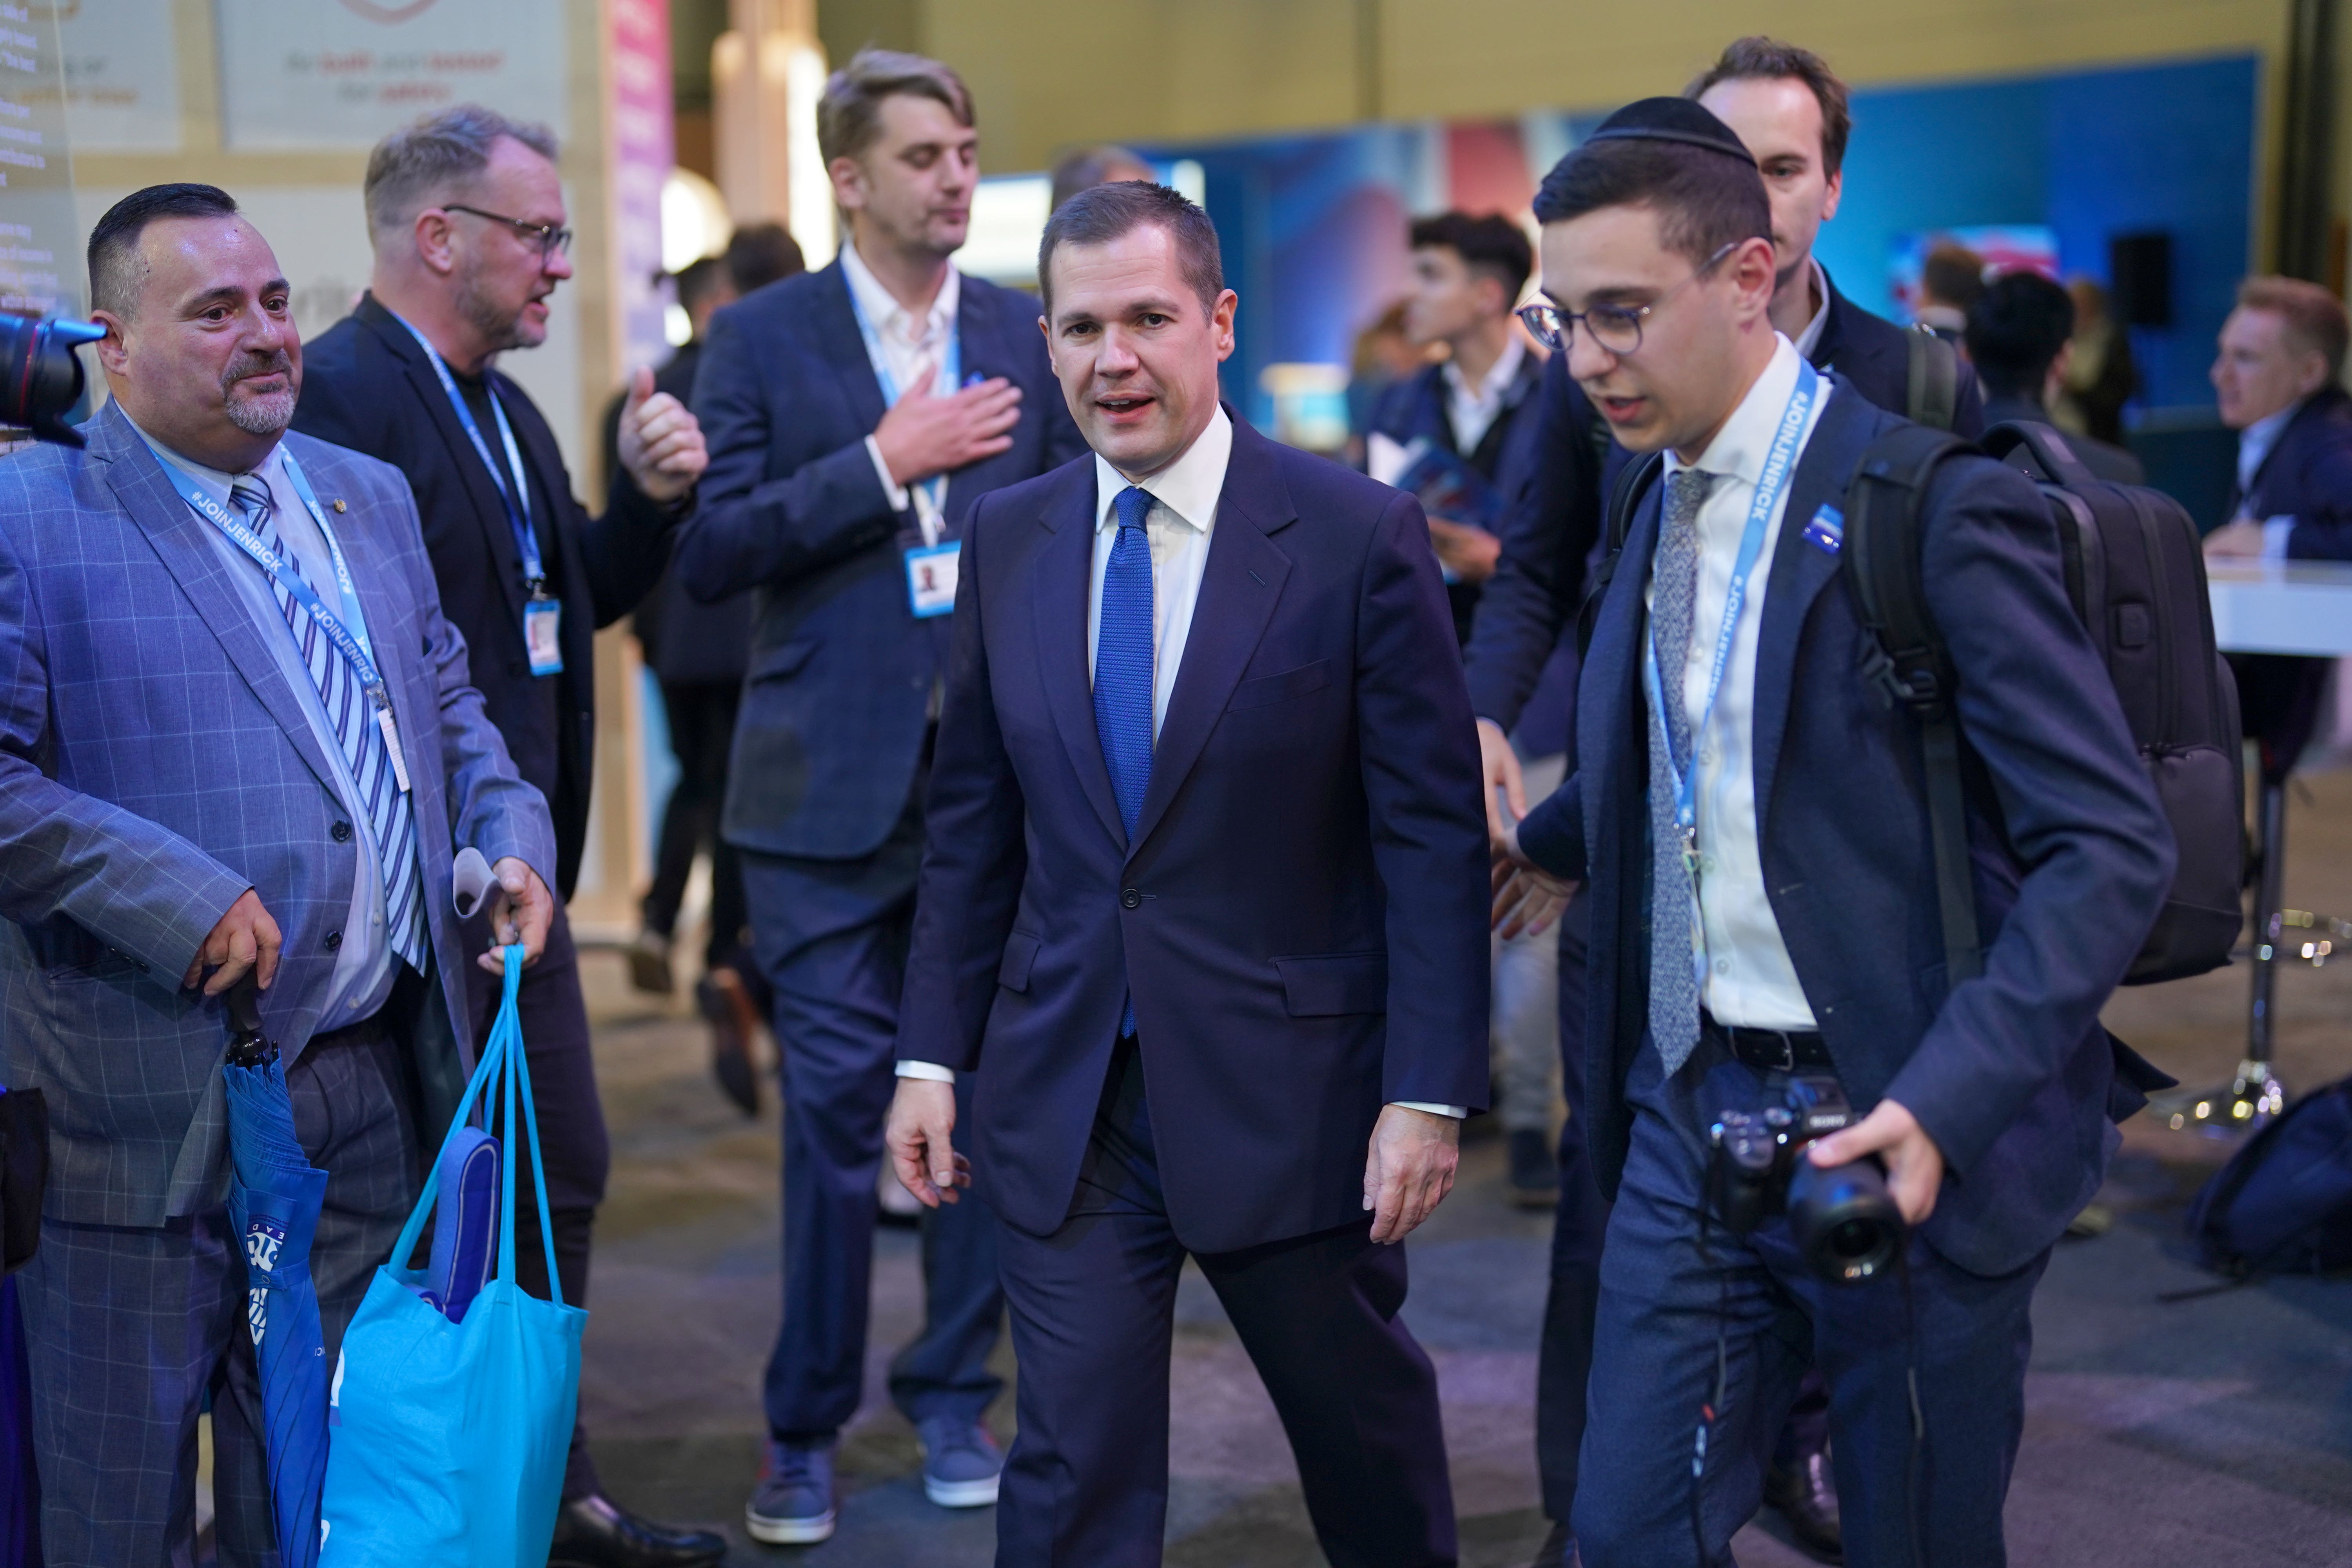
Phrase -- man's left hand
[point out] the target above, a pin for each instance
(661, 443)
(1470, 553)
(1915, 1166)
(2245, 536)
(520, 910)
(1409, 1170)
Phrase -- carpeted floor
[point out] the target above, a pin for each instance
(2216, 1431)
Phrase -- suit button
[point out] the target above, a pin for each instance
(1129, 899)
(335, 941)
(341, 832)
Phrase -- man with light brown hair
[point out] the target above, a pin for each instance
(855, 414)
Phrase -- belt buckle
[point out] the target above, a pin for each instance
(1788, 1061)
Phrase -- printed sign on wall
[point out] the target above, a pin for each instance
(123, 75)
(316, 74)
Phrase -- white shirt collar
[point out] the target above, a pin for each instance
(881, 308)
(1810, 340)
(1187, 488)
(2255, 441)
(216, 480)
(1740, 448)
(1498, 377)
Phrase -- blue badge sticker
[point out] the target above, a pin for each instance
(1826, 532)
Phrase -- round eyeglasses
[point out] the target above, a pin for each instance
(551, 239)
(1616, 328)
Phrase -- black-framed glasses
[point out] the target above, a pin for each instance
(551, 239)
(1616, 328)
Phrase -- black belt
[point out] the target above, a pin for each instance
(1770, 1050)
(367, 1031)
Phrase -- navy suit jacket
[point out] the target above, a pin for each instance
(155, 764)
(367, 385)
(2307, 475)
(1301, 913)
(2011, 1073)
(838, 694)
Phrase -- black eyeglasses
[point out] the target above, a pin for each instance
(551, 239)
(1616, 328)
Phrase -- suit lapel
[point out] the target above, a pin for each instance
(489, 511)
(1604, 727)
(1239, 588)
(1058, 609)
(1799, 572)
(183, 541)
(845, 349)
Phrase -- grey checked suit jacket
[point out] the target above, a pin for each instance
(155, 764)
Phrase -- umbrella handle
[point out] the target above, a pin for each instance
(248, 1046)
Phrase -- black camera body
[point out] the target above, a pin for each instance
(41, 378)
(1842, 1218)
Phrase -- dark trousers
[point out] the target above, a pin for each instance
(1093, 1312)
(832, 937)
(571, 1127)
(1666, 1294)
(701, 730)
(1564, 1358)
(128, 1330)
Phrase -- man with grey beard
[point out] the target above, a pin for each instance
(236, 739)
(466, 212)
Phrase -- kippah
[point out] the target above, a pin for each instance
(1680, 119)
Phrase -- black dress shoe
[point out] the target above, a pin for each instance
(1807, 1498)
(591, 1532)
(1559, 1550)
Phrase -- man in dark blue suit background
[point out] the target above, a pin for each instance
(855, 417)
(1764, 896)
(1202, 906)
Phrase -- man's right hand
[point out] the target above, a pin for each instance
(1500, 764)
(918, 1133)
(922, 436)
(245, 938)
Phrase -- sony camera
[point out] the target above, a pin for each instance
(40, 375)
(1842, 1218)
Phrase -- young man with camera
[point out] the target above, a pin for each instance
(1766, 938)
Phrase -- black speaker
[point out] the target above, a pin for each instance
(2139, 270)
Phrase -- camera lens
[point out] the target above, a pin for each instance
(1842, 1219)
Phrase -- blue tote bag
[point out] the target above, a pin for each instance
(447, 1440)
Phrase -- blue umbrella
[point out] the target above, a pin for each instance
(273, 1202)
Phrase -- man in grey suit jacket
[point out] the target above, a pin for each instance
(235, 736)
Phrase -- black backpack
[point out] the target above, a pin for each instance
(2136, 576)
(2283, 1202)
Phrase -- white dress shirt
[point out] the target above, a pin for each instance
(1810, 340)
(1473, 410)
(1182, 518)
(1749, 978)
(2255, 444)
(365, 964)
(903, 347)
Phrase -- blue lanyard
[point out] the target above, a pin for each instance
(934, 490)
(1779, 464)
(517, 499)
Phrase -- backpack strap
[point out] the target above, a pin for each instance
(1635, 480)
(1909, 662)
(1935, 381)
(2038, 451)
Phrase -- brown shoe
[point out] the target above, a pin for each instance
(649, 963)
(726, 1002)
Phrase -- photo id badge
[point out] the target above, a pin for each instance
(542, 621)
(931, 578)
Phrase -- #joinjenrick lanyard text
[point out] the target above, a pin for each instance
(1779, 463)
(932, 494)
(347, 632)
(514, 493)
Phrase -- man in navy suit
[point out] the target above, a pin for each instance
(2277, 377)
(855, 415)
(1202, 908)
(1764, 897)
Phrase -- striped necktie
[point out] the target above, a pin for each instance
(391, 814)
(1123, 668)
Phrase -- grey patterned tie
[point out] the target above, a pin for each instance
(1673, 586)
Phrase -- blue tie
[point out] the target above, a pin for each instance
(1123, 668)
(390, 815)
